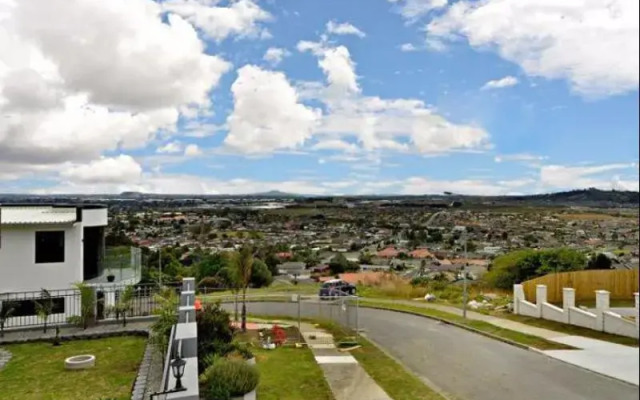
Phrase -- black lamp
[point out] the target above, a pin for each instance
(177, 368)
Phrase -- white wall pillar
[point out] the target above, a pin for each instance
(187, 298)
(568, 301)
(541, 298)
(518, 294)
(637, 313)
(188, 284)
(602, 305)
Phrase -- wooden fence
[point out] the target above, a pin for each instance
(622, 284)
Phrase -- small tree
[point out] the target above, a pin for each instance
(7, 309)
(167, 301)
(244, 264)
(87, 304)
(125, 303)
(44, 307)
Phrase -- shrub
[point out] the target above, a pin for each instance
(214, 332)
(522, 265)
(260, 274)
(211, 282)
(228, 378)
(167, 301)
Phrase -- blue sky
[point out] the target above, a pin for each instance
(331, 96)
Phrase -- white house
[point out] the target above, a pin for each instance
(53, 247)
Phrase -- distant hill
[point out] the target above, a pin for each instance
(584, 197)
(588, 196)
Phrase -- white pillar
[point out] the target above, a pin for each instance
(187, 298)
(568, 302)
(518, 295)
(602, 305)
(637, 313)
(541, 298)
(188, 284)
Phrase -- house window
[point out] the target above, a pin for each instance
(27, 308)
(49, 247)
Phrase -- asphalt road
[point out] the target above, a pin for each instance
(466, 365)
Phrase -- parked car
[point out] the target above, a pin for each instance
(336, 288)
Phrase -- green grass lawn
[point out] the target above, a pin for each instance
(521, 338)
(288, 373)
(392, 377)
(36, 371)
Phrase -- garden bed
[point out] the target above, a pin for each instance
(37, 371)
(287, 373)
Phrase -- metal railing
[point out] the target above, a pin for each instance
(67, 304)
(341, 310)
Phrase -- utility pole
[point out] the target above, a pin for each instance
(464, 278)
(160, 265)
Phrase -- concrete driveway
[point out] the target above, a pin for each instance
(465, 365)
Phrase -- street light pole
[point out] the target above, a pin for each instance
(160, 265)
(464, 278)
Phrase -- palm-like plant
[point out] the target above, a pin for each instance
(125, 303)
(244, 264)
(7, 309)
(44, 307)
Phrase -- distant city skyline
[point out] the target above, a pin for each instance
(499, 97)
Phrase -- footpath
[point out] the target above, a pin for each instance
(610, 359)
(345, 376)
(347, 379)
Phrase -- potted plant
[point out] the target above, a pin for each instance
(110, 276)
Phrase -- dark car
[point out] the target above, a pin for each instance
(336, 288)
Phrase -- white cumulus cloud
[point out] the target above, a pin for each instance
(240, 17)
(413, 10)
(267, 114)
(275, 55)
(106, 170)
(344, 28)
(505, 82)
(594, 44)
(81, 78)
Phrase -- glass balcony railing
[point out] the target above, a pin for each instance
(121, 265)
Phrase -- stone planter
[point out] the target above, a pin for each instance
(249, 396)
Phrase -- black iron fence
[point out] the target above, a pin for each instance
(24, 309)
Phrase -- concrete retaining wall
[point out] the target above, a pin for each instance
(601, 319)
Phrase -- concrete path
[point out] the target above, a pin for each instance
(5, 356)
(72, 331)
(469, 366)
(610, 359)
(346, 378)
(615, 360)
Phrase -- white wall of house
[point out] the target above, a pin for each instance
(18, 268)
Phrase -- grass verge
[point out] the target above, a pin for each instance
(288, 373)
(570, 329)
(36, 370)
(392, 377)
(480, 326)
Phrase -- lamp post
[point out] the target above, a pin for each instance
(177, 368)
(464, 277)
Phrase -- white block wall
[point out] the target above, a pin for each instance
(602, 319)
